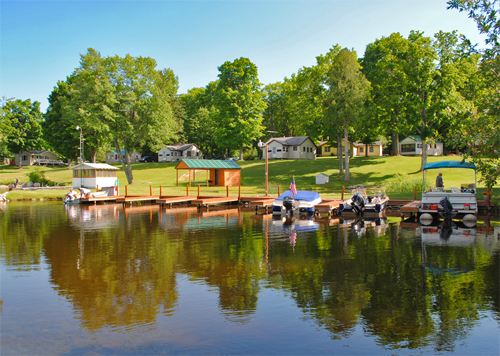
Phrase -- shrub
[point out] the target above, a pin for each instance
(250, 154)
(38, 176)
(403, 183)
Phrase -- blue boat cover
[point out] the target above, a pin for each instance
(449, 164)
(301, 195)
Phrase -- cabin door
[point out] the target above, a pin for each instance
(216, 177)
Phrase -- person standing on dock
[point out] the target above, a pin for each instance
(439, 182)
(84, 192)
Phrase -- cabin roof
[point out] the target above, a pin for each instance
(94, 166)
(206, 164)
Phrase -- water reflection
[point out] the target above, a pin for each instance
(120, 268)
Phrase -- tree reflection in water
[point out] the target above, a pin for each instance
(118, 266)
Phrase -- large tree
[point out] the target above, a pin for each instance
(20, 122)
(478, 131)
(348, 96)
(240, 103)
(125, 99)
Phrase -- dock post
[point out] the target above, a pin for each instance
(239, 192)
(150, 190)
(227, 190)
(198, 191)
(160, 192)
(279, 190)
(187, 190)
(126, 191)
(342, 198)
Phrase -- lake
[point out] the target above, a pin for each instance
(147, 281)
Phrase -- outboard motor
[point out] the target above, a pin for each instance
(288, 203)
(357, 203)
(447, 208)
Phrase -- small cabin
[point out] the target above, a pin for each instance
(291, 148)
(94, 175)
(113, 157)
(218, 173)
(413, 146)
(39, 158)
(175, 153)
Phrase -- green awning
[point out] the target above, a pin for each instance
(207, 164)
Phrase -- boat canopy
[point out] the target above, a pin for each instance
(301, 195)
(449, 164)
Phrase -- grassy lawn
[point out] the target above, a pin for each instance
(370, 171)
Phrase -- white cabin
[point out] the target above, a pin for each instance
(94, 175)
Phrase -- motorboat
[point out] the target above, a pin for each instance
(303, 202)
(453, 203)
(74, 200)
(361, 203)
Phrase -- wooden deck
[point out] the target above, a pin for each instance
(95, 200)
(167, 199)
(137, 198)
(207, 201)
(410, 209)
(329, 206)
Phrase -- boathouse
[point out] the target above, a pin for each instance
(94, 175)
(218, 173)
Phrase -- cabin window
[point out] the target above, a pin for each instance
(371, 149)
(197, 154)
(274, 149)
(435, 145)
(295, 148)
(408, 148)
(286, 149)
(168, 154)
(419, 145)
(328, 149)
(279, 149)
(361, 149)
(188, 153)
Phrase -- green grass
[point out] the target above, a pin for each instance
(398, 174)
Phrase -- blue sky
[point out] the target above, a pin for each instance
(41, 41)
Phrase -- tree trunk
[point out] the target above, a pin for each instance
(424, 155)
(366, 150)
(127, 168)
(339, 154)
(241, 153)
(395, 143)
(346, 144)
(20, 163)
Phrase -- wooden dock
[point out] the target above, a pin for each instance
(328, 206)
(410, 209)
(207, 201)
(129, 199)
(167, 199)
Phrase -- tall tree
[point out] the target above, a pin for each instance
(20, 121)
(384, 66)
(125, 99)
(479, 129)
(348, 94)
(240, 103)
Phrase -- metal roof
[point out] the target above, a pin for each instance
(449, 164)
(209, 164)
(94, 166)
(290, 141)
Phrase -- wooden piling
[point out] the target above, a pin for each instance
(126, 190)
(342, 197)
(150, 190)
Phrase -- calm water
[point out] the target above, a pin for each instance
(145, 280)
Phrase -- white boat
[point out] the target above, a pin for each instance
(453, 203)
(360, 203)
(70, 200)
(303, 202)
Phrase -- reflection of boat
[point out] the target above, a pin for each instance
(360, 225)
(454, 234)
(303, 202)
(361, 203)
(457, 203)
(303, 224)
